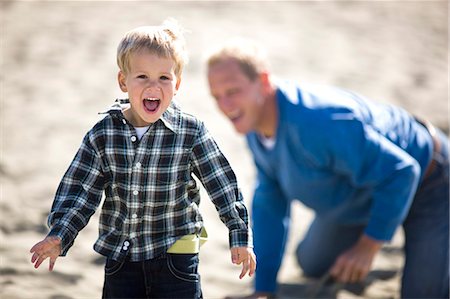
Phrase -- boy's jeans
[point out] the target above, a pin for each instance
(168, 276)
(426, 270)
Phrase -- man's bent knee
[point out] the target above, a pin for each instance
(311, 265)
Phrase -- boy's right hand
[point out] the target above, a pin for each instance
(246, 257)
(50, 247)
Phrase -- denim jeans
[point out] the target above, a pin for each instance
(168, 276)
(426, 228)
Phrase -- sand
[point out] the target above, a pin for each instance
(58, 70)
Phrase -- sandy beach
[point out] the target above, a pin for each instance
(58, 71)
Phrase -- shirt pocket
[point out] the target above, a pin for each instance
(171, 168)
(170, 176)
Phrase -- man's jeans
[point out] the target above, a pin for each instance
(426, 270)
(168, 276)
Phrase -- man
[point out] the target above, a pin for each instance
(363, 167)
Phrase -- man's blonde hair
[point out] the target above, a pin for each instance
(250, 56)
(166, 41)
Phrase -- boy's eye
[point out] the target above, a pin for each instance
(164, 78)
(142, 77)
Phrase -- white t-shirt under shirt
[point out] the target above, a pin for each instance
(267, 142)
(140, 131)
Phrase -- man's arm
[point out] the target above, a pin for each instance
(370, 160)
(270, 219)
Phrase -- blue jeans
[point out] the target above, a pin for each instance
(168, 276)
(426, 228)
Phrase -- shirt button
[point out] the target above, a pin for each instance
(133, 138)
(134, 216)
(126, 244)
(135, 192)
(124, 121)
(125, 248)
(138, 165)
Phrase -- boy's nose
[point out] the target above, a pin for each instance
(153, 85)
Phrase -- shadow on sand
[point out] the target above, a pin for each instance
(327, 288)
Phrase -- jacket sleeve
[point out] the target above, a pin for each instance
(354, 149)
(271, 218)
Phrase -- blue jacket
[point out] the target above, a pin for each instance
(347, 158)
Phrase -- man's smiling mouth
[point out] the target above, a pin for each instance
(235, 115)
(151, 104)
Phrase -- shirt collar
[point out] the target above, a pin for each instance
(170, 117)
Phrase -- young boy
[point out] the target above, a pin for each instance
(143, 159)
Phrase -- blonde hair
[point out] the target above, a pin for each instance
(250, 56)
(166, 40)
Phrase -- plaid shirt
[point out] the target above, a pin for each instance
(151, 197)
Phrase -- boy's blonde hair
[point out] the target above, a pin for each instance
(166, 41)
(250, 56)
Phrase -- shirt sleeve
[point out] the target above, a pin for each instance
(77, 197)
(219, 180)
(271, 219)
(370, 160)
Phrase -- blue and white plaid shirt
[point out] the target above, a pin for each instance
(151, 197)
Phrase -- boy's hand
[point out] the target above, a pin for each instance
(246, 257)
(50, 247)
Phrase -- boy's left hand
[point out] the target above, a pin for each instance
(246, 257)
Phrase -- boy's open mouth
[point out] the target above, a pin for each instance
(151, 104)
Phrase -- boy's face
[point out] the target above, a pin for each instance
(151, 84)
(239, 98)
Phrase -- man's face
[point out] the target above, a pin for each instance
(238, 97)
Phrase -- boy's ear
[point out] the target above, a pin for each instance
(121, 80)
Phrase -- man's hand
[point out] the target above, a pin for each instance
(246, 257)
(50, 247)
(354, 264)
